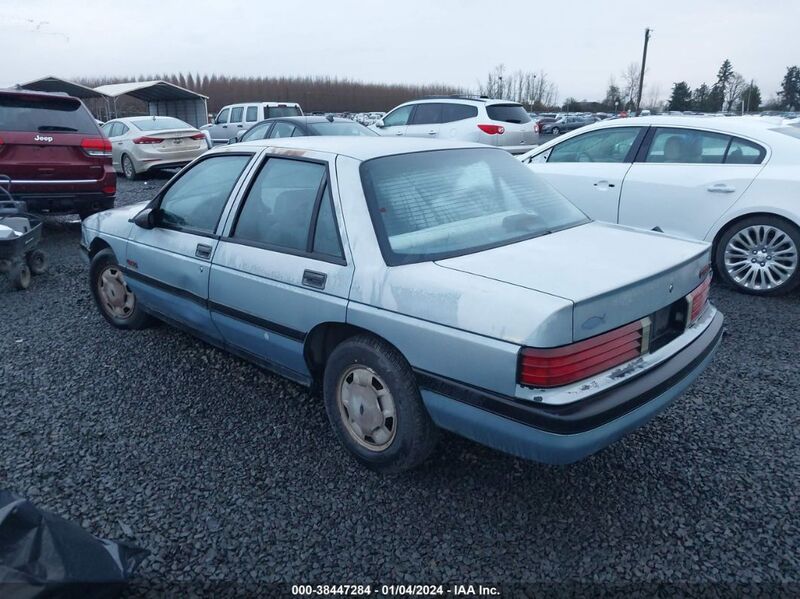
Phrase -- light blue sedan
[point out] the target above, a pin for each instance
(417, 285)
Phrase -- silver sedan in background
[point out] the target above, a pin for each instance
(144, 143)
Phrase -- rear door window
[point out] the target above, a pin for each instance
(687, 146)
(280, 205)
(458, 112)
(508, 113)
(252, 114)
(236, 114)
(427, 114)
(20, 112)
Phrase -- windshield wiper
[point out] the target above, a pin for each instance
(55, 128)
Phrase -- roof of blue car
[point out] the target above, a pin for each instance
(358, 147)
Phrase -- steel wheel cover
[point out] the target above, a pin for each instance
(760, 257)
(116, 298)
(367, 408)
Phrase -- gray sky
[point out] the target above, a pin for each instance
(578, 43)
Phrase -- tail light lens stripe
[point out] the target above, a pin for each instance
(570, 363)
(634, 337)
(698, 299)
(564, 379)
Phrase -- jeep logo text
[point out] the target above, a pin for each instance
(46, 138)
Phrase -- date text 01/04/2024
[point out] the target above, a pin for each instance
(389, 590)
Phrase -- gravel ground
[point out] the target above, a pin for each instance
(227, 473)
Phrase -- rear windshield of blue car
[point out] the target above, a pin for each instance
(20, 112)
(341, 128)
(445, 203)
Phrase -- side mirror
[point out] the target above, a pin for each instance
(379, 124)
(146, 219)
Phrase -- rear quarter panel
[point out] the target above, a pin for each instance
(776, 190)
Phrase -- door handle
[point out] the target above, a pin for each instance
(603, 183)
(399, 133)
(240, 126)
(314, 279)
(432, 132)
(721, 188)
(203, 251)
(224, 126)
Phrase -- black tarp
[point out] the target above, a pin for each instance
(44, 555)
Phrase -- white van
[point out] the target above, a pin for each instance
(240, 117)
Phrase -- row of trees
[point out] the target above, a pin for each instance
(536, 90)
(313, 93)
(731, 91)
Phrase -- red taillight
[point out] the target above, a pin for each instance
(492, 129)
(96, 146)
(110, 189)
(197, 136)
(570, 363)
(698, 299)
(148, 140)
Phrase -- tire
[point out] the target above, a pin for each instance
(20, 275)
(128, 168)
(555, 130)
(116, 302)
(759, 255)
(412, 433)
(37, 262)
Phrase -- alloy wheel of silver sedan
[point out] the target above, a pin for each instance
(117, 300)
(127, 168)
(367, 408)
(761, 257)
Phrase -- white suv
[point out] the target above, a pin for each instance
(236, 118)
(468, 118)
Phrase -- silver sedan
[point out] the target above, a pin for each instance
(145, 143)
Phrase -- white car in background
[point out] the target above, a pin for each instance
(500, 123)
(733, 182)
(142, 144)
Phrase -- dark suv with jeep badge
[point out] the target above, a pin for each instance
(54, 154)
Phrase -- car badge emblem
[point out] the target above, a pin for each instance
(671, 287)
(46, 138)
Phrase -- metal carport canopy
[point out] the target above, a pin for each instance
(54, 84)
(163, 99)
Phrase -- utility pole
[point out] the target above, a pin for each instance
(647, 32)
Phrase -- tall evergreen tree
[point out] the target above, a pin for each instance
(681, 98)
(790, 89)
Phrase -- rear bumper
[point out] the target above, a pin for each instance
(151, 165)
(67, 202)
(567, 433)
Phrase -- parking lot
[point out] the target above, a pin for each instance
(226, 472)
